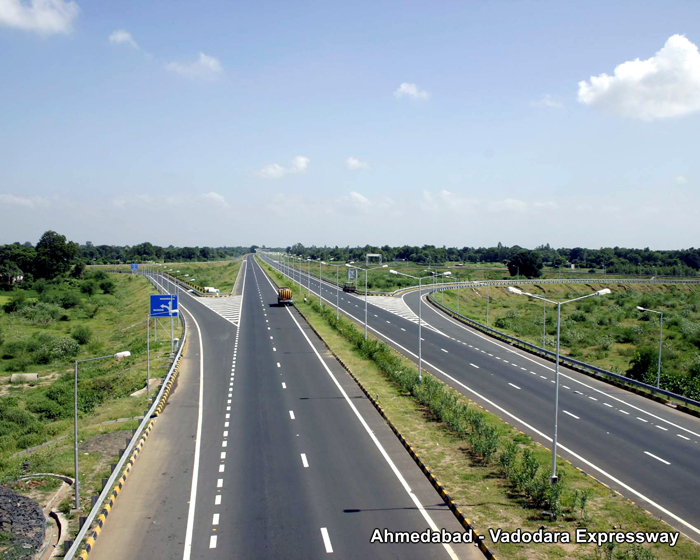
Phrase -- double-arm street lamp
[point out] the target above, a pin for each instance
(519, 292)
(349, 265)
(420, 321)
(661, 339)
(116, 356)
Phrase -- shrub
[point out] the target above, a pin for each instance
(69, 300)
(63, 348)
(82, 334)
(14, 349)
(645, 360)
(89, 287)
(506, 460)
(107, 286)
(41, 313)
(2, 337)
(17, 302)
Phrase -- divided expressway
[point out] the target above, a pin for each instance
(646, 450)
(268, 449)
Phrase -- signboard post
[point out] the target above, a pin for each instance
(352, 274)
(134, 268)
(164, 305)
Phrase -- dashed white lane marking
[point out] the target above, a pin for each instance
(608, 405)
(572, 415)
(224, 443)
(593, 398)
(278, 364)
(326, 540)
(215, 519)
(221, 468)
(445, 351)
(662, 428)
(506, 362)
(284, 385)
(524, 369)
(217, 500)
(220, 483)
(543, 377)
(565, 387)
(274, 349)
(512, 385)
(474, 365)
(642, 419)
(304, 461)
(212, 541)
(291, 414)
(223, 455)
(657, 458)
(683, 437)
(404, 330)
(624, 411)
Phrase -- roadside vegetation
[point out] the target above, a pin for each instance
(608, 332)
(44, 327)
(496, 474)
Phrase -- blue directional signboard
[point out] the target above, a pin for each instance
(134, 267)
(164, 306)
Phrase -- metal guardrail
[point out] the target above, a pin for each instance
(563, 360)
(77, 543)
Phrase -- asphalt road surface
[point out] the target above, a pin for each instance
(646, 450)
(281, 455)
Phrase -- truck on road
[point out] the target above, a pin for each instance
(351, 288)
(284, 296)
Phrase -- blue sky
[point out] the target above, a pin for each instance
(214, 123)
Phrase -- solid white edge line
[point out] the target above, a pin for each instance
(374, 439)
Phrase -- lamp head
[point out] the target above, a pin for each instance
(515, 290)
(641, 308)
(124, 354)
(393, 272)
(604, 292)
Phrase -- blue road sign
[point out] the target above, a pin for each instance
(134, 267)
(164, 306)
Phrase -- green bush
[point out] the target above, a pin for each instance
(14, 349)
(41, 313)
(2, 337)
(82, 334)
(89, 287)
(108, 287)
(69, 300)
(17, 302)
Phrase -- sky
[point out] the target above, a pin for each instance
(457, 123)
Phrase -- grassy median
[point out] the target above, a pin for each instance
(495, 486)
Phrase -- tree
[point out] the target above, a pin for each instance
(645, 361)
(525, 263)
(54, 255)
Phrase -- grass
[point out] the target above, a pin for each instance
(606, 331)
(32, 414)
(479, 489)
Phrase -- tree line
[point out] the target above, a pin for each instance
(615, 260)
(54, 256)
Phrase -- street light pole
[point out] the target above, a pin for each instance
(420, 323)
(661, 339)
(118, 355)
(519, 292)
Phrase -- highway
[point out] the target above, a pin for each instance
(647, 451)
(289, 459)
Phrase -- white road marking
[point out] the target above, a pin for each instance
(278, 364)
(474, 365)
(524, 369)
(662, 428)
(445, 351)
(224, 443)
(215, 520)
(404, 330)
(284, 385)
(624, 411)
(217, 500)
(565, 387)
(609, 405)
(512, 385)
(220, 483)
(572, 415)
(225, 424)
(274, 349)
(683, 437)
(221, 468)
(326, 540)
(657, 458)
(593, 398)
(543, 377)
(642, 419)
(291, 414)
(225, 433)
(304, 461)
(212, 541)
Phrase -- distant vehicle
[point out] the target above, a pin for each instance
(284, 296)
(350, 288)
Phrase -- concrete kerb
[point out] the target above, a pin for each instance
(449, 502)
(116, 490)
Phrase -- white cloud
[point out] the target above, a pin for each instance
(681, 180)
(120, 36)
(665, 85)
(216, 198)
(358, 198)
(354, 163)
(29, 202)
(45, 17)
(410, 90)
(550, 205)
(205, 68)
(547, 102)
(276, 171)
